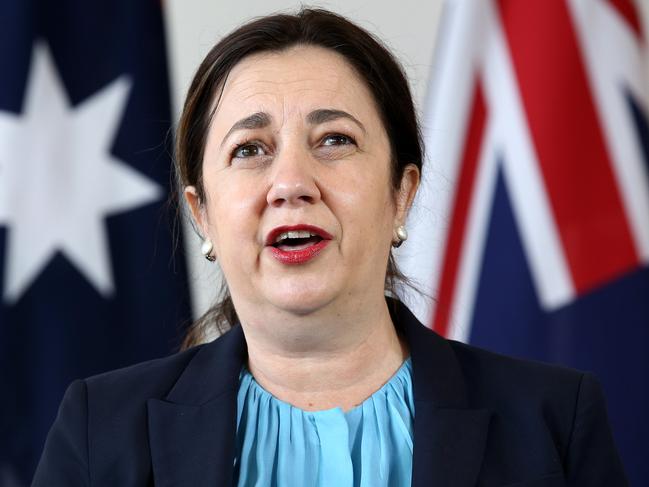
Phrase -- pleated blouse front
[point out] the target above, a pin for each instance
(368, 446)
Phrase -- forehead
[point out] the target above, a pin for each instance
(297, 80)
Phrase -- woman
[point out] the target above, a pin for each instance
(299, 155)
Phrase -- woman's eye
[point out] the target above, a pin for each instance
(248, 150)
(337, 139)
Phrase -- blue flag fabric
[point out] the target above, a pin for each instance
(88, 278)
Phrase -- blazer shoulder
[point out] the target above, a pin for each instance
(153, 378)
(106, 413)
(557, 406)
(510, 375)
(526, 397)
(184, 372)
(486, 379)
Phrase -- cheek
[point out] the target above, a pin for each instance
(366, 209)
(233, 210)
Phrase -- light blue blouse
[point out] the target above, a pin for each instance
(369, 446)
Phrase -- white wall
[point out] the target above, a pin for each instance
(408, 27)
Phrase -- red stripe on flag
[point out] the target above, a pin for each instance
(462, 198)
(628, 12)
(569, 141)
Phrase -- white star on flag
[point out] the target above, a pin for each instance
(58, 179)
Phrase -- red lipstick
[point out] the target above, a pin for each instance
(280, 243)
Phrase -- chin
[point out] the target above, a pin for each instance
(301, 299)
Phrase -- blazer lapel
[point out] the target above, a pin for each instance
(192, 431)
(449, 437)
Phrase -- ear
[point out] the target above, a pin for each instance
(406, 193)
(196, 207)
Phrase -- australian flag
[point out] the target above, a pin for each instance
(531, 230)
(88, 278)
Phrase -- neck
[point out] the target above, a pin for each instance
(325, 360)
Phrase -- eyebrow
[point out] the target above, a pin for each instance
(257, 120)
(260, 120)
(323, 115)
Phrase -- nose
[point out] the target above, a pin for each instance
(293, 180)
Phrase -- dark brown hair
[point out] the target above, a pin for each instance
(375, 65)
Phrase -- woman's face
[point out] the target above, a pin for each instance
(298, 199)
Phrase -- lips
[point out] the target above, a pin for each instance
(297, 244)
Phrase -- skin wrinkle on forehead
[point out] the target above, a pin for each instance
(232, 85)
(247, 87)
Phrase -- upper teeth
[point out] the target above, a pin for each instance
(296, 234)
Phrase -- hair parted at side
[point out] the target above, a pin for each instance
(375, 65)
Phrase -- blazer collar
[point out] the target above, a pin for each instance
(192, 431)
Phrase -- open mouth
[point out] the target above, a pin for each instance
(297, 244)
(296, 240)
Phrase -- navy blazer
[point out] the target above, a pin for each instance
(481, 419)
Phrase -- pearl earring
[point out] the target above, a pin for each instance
(206, 250)
(402, 236)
